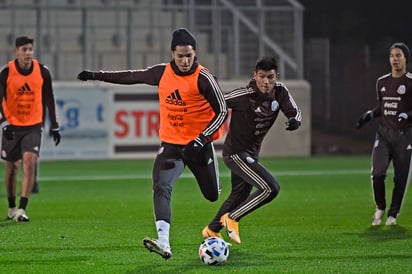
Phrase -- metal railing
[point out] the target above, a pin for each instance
(102, 34)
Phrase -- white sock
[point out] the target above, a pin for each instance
(163, 229)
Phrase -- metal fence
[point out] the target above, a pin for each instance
(106, 34)
(343, 78)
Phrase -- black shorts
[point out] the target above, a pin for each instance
(26, 139)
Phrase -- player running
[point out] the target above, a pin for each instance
(192, 111)
(254, 111)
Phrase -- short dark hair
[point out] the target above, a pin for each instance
(266, 63)
(23, 40)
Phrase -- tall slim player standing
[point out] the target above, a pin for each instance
(25, 91)
(393, 141)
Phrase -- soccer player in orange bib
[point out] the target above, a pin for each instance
(25, 91)
(192, 112)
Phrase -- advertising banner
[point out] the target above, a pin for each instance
(134, 122)
(107, 121)
(84, 125)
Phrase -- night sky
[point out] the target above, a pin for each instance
(352, 22)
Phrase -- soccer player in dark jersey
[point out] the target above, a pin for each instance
(393, 141)
(254, 110)
(192, 112)
(25, 91)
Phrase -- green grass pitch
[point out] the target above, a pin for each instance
(91, 217)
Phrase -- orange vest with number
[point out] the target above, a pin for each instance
(184, 111)
(23, 106)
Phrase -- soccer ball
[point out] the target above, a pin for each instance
(213, 251)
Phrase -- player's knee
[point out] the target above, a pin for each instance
(379, 178)
(274, 190)
(212, 197)
(162, 190)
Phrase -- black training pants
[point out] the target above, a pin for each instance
(169, 165)
(246, 173)
(391, 145)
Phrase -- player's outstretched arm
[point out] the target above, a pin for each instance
(86, 75)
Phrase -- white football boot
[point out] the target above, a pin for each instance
(11, 213)
(391, 221)
(21, 216)
(153, 245)
(377, 217)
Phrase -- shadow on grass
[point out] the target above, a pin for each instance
(239, 260)
(171, 266)
(386, 233)
(5, 222)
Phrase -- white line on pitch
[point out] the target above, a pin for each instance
(189, 175)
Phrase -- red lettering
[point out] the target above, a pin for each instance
(153, 123)
(138, 125)
(120, 119)
(145, 123)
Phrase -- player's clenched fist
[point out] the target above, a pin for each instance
(85, 75)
